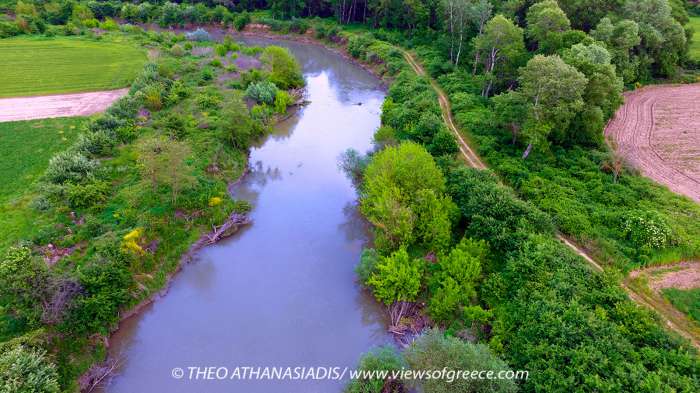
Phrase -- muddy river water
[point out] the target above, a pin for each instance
(282, 292)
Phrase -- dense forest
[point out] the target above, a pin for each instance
(532, 84)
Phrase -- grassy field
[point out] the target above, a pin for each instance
(26, 146)
(687, 301)
(695, 44)
(25, 150)
(37, 66)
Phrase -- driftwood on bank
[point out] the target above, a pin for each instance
(101, 372)
(228, 228)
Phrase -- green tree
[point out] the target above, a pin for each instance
(620, 39)
(456, 279)
(554, 91)
(397, 278)
(585, 14)
(402, 195)
(434, 351)
(163, 162)
(384, 358)
(285, 71)
(24, 284)
(663, 39)
(287, 9)
(25, 370)
(499, 49)
(546, 24)
(603, 94)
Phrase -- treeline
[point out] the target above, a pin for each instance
(487, 266)
(118, 209)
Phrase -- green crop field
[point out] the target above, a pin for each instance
(37, 66)
(26, 146)
(686, 300)
(695, 44)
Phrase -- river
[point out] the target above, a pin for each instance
(282, 292)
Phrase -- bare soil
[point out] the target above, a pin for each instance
(682, 275)
(657, 131)
(61, 105)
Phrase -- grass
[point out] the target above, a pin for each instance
(27, 146)
(685, 300)
(695, 41)
(25, 150)
(33, 66)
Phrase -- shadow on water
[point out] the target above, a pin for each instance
(283, 291)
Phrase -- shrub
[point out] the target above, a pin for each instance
(216, 63)
(25, 370)
(206, 75)
(358, 45)
(87, 195)
(285, 70)
(434, 351)
(69, 166)
(109, 24)
(177, 50)
(646, 229)
(221, 50)
(282, 101)
(153, 96)
(299, 26)
(8, 29)
(106, 286)
(198, 35)
(397, 278)
(99, 143)
(241, 20)
(23, 284)
(209, 100)
(384, 358)
(368, 265)
(262, 92)
(238, 125)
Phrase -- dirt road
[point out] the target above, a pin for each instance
(657, 130)
(61, 105)
(673, 319)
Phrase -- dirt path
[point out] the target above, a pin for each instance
(657, 130)
(469, 155)
(674, 319)
(61, 105)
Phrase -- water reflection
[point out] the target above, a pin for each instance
(283, 291)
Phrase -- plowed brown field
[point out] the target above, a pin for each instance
(657, 130)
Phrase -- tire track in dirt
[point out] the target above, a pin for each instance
(60, 105)
(672, 318)
(467, 153)
(657, 131)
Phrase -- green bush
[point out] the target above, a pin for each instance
(285, 71)
(262, 92)
(282, 101)
(368, 265)
(177, 50)
(384, 358)
(646, 229)
(69, 166)
(397, 278)
(434, 351)
(87, 195)
(26, 370)
(241, 20)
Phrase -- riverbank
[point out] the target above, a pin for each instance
(253, 297)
